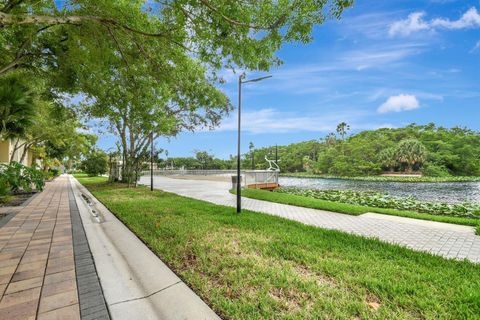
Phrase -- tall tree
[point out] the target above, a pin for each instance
(342, 129)
(178, 99)
(152, 66)
(251, 148)
(387, 158)
(411, 152)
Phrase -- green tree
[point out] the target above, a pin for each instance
(387, 158)
(17, 107)
(96, 163)
(204, 159)
(330, 139)
(411, 152)
(63, 34)
(251, 148)
(151, 67)
(342, 129)
(54, 125)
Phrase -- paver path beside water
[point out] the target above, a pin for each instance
(38, 274)
(447, 240)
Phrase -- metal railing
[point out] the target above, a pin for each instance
(249, 177)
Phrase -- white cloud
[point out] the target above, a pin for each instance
(470, 19)
(379, 57)
(415, 23)
(401, 102)
(476, 47)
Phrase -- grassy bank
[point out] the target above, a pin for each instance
(351, 209)
(256, 266)
(385, 179)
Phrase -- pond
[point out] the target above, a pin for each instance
(449, 192)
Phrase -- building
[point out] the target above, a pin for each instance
(7, 147)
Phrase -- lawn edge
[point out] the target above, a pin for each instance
(351, 209)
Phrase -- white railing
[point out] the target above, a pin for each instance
(248, 176)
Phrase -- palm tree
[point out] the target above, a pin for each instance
(330, 139)
(342, 129)
(251, 147)
(411, 152)
(17, 108)
(387, 159)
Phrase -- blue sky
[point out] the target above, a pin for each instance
(384, 64)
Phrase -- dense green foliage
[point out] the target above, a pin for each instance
(17, 108)
(33, 119)
(396, 178)
(95, 163)
(54, 172)
(435, 151)
(440, 154)
(15, 177)
(383, 200)
(201, 161)
(257, 266)
(150, 68)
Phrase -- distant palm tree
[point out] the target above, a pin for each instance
(251, 147)
(330, 139)
(411, 152)
(17, 108)
(342, 129)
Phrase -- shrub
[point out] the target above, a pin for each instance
(433, 170)
(95, 164)
(16, 177)
(383, 200)
(54, 171)
(4, 189)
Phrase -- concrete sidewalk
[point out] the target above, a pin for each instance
(136, 283)
(447, 240)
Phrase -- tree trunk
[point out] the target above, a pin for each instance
(24, 153)
(409, 168)
(14, 150)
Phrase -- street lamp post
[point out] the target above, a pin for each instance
(276, 154)
(240, 82)
(151, 161)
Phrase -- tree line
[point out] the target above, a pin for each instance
(426, 149)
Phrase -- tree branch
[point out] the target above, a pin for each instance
(22, 19)
(119, 47)
(274, 25)
(19, 55)
(10, 5)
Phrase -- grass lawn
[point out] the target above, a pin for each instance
(256, 266)
(351, 209)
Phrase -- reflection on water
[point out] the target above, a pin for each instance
(451, 192)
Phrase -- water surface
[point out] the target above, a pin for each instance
(450, 192)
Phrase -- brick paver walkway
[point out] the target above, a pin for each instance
(37, 266)
(450, 241)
